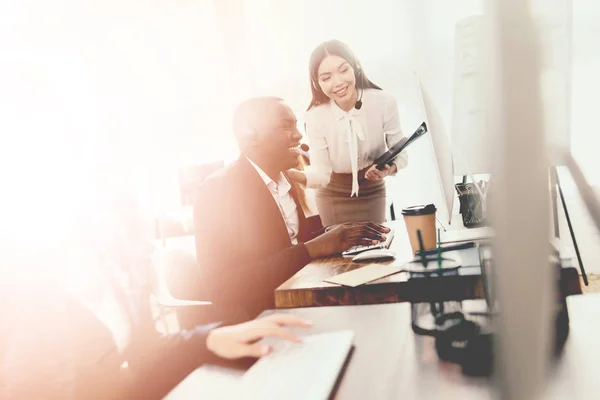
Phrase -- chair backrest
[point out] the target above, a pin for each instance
(165, 261)
(191, 177)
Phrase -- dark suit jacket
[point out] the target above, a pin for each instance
(243, 248)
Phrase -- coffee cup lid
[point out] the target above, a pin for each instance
(419, 210)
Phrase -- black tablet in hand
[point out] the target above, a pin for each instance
(392, 153)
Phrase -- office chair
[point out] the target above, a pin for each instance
(163, 261)
(191, 177)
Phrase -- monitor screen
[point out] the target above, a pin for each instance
(588, 193)
(441, 149)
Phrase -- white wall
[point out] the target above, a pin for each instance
(585, 131)
(161, 78)
(137, 84)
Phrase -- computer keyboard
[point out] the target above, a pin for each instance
(352, 251)
(306, 370)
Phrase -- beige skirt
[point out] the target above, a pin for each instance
(336, 206)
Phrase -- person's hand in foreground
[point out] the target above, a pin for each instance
(238, 341)
(341, 237)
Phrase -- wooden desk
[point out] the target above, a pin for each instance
(390, 362)
(307, 288)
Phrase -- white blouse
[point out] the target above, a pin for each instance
(346, 142)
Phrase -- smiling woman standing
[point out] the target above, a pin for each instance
(350, 122)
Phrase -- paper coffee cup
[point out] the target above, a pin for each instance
(420, 218)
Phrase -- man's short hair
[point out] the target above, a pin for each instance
(247, 114)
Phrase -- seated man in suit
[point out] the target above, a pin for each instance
(251, 234)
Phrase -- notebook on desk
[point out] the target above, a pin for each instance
(308, 370)
(291, 371)
(363, 275)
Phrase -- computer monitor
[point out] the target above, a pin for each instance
(441, 149)
(586, 190)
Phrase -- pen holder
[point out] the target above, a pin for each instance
(472, 207)
(429, 318)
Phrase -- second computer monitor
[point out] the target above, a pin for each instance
(442, 150)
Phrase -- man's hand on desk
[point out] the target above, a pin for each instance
(237, 341)
(341, 237)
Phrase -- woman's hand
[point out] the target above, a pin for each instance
(237, 341)
(373, 174)
(296, 176)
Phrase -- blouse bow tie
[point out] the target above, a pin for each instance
(354, 133)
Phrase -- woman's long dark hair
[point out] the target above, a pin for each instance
(340, 49)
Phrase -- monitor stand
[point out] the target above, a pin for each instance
(555, 184)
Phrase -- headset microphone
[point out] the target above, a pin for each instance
(358, 104)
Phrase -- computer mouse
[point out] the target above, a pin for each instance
(375, 254)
